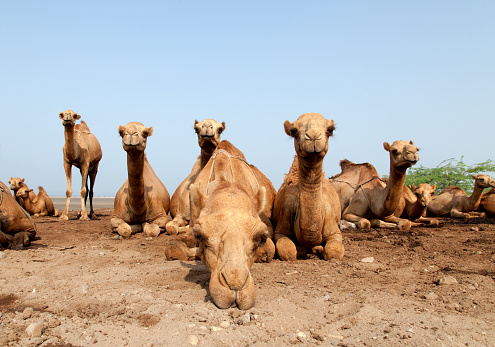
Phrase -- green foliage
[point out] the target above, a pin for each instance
(449, 173)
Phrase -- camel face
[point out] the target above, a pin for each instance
(134, 136)
(483, 181)
(208, 132)
(229, 232)
(69, 117)
(424, 192)
(15, 183)
(23, 192)
(402, 153)
(310, 132)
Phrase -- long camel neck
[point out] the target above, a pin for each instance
(135, 177)
(475, 198)
(393, 190)
(204, 157)
(71, 146)
(310, 200)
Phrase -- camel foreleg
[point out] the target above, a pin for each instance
(402, 224)
(154, 228)
(68, 192)
(182, 247)
(84, 191)
(361, 223)
(92, 179)
(123, 229)
(175, 224)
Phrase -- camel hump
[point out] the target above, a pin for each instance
(82, 126)
(292, 177)
(42, 190)
(230, 148)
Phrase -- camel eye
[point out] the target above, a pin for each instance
(394, 151)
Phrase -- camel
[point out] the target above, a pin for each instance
(42, 206)
(15, 184)
(364, 195)
(454, 202)
(228, 164)
(487, 203)
(208, 132)
(17, 230)
(81, 149)
(414, 204)
(306, 208)
(143, 202)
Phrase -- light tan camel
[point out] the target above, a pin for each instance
(306, 209)
(228, 164)
(17, 183)
(81, 149)
(365, 196)
(454, 202)
(487, 203)
(208, 132)
(143, 202)
(43, 206)
(414, 204)
(17, 230)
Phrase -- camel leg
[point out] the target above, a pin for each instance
(424, 220)
(84, 175)
(154, 228)
(173, 226)
(402, 224)
(286, 249)
(265, 252)
(122, 228)
(21, 240)
(5, 240)
(334, 248)
(458, 214)
(182, 247)
(475, 214)
(68, 192)
(92, 179)
(361, 223)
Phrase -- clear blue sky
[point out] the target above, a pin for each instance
(383, 70)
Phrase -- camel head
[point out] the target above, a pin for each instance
(23, 192)
(69, 118)
(424, 192)
(134, 136)
(310, 132)
(208, 132)
(483, 181)
(15, 182)
(229, 231)
(403, 154)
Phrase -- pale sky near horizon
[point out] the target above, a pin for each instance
(382, 70)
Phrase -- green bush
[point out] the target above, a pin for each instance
(449, 173)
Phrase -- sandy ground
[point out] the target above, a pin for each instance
(83, 286)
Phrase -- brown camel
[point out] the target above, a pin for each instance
(487, 203)
(414, 204)
(306, 209)
(228, 164)
(42, 206)
(81, 149)
(143, 202)
(208, 132)
(15, 184)
(17, 230)
(364, 195)
(454, 202)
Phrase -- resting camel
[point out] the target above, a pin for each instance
(306, 209)
(228, 164)
(487, 203)
(42, 206)
(81, 149)
(15, 184)
(454, 202)
(208, 132)
(364, 195)
(142, 203)
(415, 202)
(17, 230)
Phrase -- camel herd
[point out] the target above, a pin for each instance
(227, 213)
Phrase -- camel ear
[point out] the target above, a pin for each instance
(290, 129)
(121, 130)
(61, 115)
(261, 198)
(76, 116)
(413, 187)
(386, 146)
(197, 202)
(411, 142)
(148, 132)
(330, 128)
(433, 188)
(473, 176)
(220, 130)
(196, 129)
(31, 190)
(22, 180)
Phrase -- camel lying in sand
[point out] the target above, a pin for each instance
(42, 206)
(414, 204)
(17, 230)
(306, 209)
(487, 203)
(454, 202)
(364, 195)
(208, 132)
(143, 202)
(15, 184)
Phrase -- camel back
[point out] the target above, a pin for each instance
(82, 127)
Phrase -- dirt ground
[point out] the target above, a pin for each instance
(85, 286)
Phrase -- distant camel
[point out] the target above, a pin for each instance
(487, 203)
(82, 150)
(42, 206)
(15, 184)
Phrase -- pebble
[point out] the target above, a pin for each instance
(214, 328)
(193, 340)
(3, 255)
(447, 280)
(245, 318)
(34, 329)
(85, 288)
(225, 324)
(325, 297)
(431, 296)
(367, 260)
(27, 313)
(475, 229)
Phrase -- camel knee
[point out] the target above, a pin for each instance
(151, 230)
(83, 192)
(266, 252)
(404, 225)
(334, 250)
(172, 228)
(286, 249)
(68, 193)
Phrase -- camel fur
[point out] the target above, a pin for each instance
(208, 132)
(487, 203)
(415, 203)
(365, 196)
(454, 202)
(17, 183)
(42, 206)
(228, 164)
(143, 202)
(17, 230)
(306, 209)
(82, 150)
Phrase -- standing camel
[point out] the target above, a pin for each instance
(306, 208)
(82, 150)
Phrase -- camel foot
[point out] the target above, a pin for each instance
(334, 250)
(404, 225)
(64, 217)
(363, 224)
(84, 217)
(151, 230)
(266, 252)
(176, 250)
(286, 249)
(172, 228)
(124, 230)
(434, 221)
